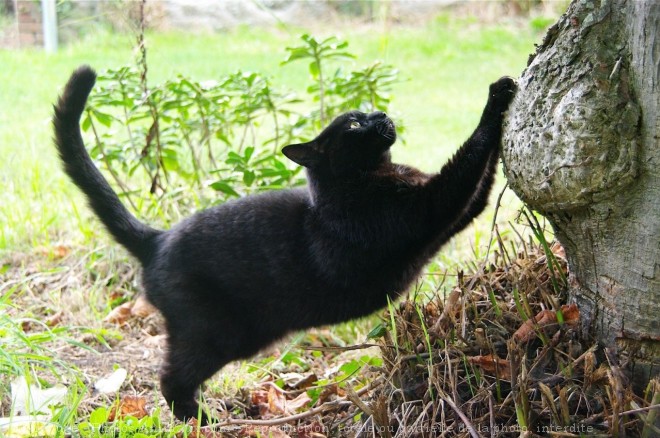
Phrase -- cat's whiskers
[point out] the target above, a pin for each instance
(385, 128)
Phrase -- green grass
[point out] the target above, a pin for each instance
(445, 69)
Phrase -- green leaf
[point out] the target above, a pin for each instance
(171, 163)
(103, 118)
(373, 361)
(86, 123)
(86, 429)
(350, 368)
(235, 159)
(340, 55)
(249, 151)
(314, 69)
(377, 332)
(220, 135)
(225, 188)
(98, 416)
(311, 41)
(296, 53)
(314, 394)
(248, 177)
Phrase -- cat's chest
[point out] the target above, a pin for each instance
(408, 177)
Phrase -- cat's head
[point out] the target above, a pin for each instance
(353, 142)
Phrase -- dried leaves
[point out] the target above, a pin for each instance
(492, 365)
(140, 308)
(547, 322)
(505, 352)
(273, 402)
(133, 406)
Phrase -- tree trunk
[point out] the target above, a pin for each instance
(581, 146)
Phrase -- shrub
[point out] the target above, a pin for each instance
(220, 139)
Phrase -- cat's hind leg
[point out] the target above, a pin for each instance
(188, 364)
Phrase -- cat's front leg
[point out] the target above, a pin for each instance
(459, 192)
(479, 199)
(500, 95)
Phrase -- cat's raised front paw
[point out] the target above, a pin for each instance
(501, 93)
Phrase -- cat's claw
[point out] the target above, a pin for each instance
(501, 93)
(503, 84)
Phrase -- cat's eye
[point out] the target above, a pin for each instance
(355, 124)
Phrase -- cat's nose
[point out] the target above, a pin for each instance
(378, 115)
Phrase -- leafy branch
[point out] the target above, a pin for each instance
(220, 137)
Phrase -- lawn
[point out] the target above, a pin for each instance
(61, 275)
(445, 68)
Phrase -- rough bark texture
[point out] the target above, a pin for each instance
(582, 147)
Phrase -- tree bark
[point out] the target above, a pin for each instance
(581, 146)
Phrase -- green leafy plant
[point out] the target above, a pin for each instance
(186, 136)
(363, 89)
(200, 132)
(319, 52)
(100, 425)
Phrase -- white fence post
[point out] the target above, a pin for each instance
(50, 25)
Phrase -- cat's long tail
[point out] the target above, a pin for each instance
(135, 236)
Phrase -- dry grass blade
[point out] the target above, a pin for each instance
(491, 370)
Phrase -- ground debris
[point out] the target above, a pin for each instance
(498, 355)
(501, 355)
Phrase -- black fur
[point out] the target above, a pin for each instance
(234, 278)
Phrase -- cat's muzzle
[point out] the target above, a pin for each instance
(385, 128)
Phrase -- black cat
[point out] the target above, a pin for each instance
(234, 278)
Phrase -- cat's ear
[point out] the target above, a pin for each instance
(305, 154)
